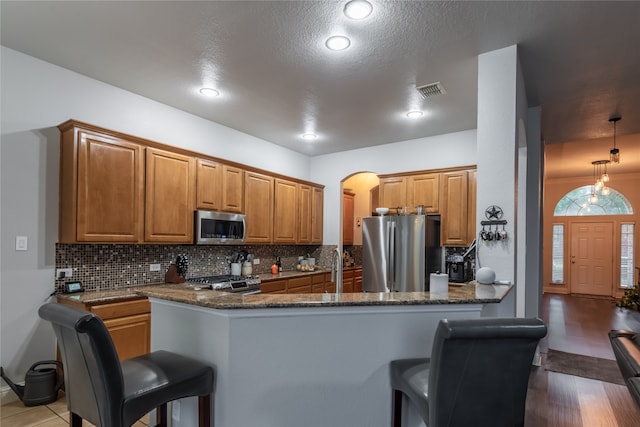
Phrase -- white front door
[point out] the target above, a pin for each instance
(592, 258)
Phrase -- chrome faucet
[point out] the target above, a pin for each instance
(336, 270)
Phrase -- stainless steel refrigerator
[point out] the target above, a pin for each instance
(399, 252)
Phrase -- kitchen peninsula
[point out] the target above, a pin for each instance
(303, 359)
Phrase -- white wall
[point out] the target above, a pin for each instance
(36, 97)
(454, 149)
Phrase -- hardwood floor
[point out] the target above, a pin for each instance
(580, 325)
(576, 325)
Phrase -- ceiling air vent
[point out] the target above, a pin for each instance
(432, 89)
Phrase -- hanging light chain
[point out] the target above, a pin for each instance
(614, 153)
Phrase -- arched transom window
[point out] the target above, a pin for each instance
(576, 203)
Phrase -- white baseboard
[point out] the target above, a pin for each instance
(7, 395)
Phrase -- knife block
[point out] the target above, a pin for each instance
(172, 276)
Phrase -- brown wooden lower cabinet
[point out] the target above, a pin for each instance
(314, 283)
(274, 287)
(299, 285)
(128, 322)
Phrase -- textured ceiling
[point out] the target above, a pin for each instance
(580, 61)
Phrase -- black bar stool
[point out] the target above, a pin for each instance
(477, 375)
(109, 393)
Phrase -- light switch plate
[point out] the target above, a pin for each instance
(21, 243)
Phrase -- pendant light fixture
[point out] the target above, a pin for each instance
(614, 154)
(601, 178)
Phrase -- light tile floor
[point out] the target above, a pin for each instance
(15, 414)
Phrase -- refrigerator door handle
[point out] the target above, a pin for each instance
(391, 260)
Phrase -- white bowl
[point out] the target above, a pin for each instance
(382, 211)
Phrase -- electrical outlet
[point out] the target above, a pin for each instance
(154, 267)
(256, 261)
(64, 273)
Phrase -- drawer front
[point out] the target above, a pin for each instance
(318, 278)
(300, 290)
(122, 309)
(298, 282)
(273, 286)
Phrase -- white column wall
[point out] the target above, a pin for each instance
(502, 115)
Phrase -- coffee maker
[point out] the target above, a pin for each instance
(458, 269)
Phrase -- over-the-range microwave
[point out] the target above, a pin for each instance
(219, 228)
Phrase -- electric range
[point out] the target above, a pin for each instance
(227, 283)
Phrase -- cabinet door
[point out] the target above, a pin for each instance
(169, 197)
(258, 190)
(454, 209)
(286, 211)
(131, 335)
(305, 207)
(109, 205)
(317, 214)
(232, 189)
(393, 192)
(274, 287)
(348, 200)
(423, 189)
(357, 281)
(299, 285)
(471, 207)
(208, 185)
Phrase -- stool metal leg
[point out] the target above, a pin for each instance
(161, 415)
(76, 420)
(396, 410)
(204, 411)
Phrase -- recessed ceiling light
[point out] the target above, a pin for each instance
(414, 114)
(358, 9)
(338, 42)
(210, 92)
(309, 136)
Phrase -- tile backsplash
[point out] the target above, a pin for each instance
(114, 266)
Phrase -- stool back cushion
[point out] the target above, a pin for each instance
(480, 371)
(93, 379)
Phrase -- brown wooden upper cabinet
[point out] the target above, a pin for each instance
(232, 189)
(305, 211)
(219, 187)
(471, 206)
(317, 214)
(348, 201)
(393, 192)
(411, 191)
(96, 204)
(453, 223)
(259, 203)
(208, 185)
(285, 212)
(448, 192)
(424, 190)
(124, 189)
(169, 200)
(297, 213)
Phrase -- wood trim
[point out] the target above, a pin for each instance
(154, 144)
(420, 172)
